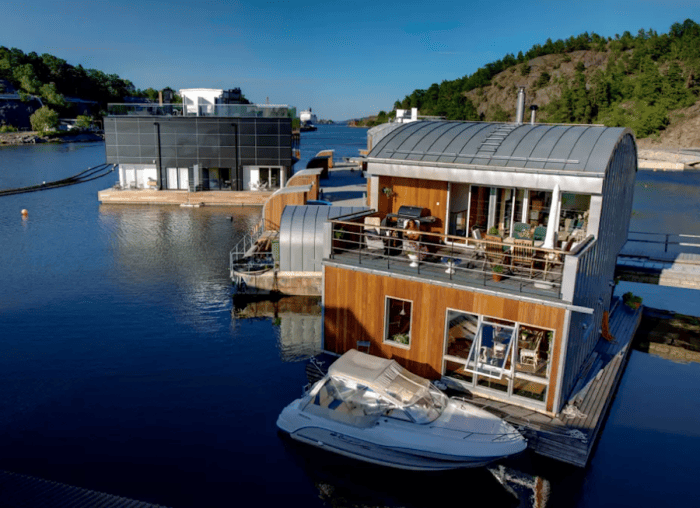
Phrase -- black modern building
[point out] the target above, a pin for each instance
(233, 148)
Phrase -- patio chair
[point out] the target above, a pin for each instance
(523, 254)
(494, 250)
(539, 234)
(480, 249)
(373, 238)
(531, 357)
(521, 230)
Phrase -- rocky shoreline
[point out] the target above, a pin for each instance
(31, 138)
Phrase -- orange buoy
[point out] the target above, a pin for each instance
(24, 212)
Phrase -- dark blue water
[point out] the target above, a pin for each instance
(122, 370)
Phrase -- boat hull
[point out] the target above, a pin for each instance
(366, 451)
(395, 444)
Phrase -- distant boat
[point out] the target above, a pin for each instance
(308, 121)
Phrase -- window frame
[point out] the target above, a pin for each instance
(387, 322)
(511, 373)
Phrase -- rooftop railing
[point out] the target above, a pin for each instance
(492, 262)
(212, 110)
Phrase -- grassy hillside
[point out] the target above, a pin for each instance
(647, 82)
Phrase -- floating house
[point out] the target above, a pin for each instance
(488, 257)
(209, 142)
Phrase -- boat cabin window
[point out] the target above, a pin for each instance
(398, 322)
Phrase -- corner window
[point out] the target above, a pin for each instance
(398, 322)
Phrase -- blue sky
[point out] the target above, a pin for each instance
(345, 59)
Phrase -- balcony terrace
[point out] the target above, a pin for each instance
(525, 267)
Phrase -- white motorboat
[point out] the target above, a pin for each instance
(373, 409)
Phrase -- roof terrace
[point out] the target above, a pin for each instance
(519, 266)
(208, 110)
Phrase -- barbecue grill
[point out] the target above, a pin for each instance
(406, 213)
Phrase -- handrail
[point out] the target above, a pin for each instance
(466, 241)
(666, 239)
(245, 244)
(351, 238)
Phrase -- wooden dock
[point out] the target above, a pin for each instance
(571, 436)
(22, 490)
(183, 197)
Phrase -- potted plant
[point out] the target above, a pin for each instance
(388, 191)
(497, 273)
(631, 300)
(339, 233)
(401, 338)
(494, 231)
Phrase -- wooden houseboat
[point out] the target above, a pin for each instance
(454, 205)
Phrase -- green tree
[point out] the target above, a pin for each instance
(50, 94)
(83, 122)
(44, 119)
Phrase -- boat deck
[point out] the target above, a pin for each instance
(571, 438)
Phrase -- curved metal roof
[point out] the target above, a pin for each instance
(301, 235)
(557, 148)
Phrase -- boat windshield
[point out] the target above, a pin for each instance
(382, 385)
(429, 407)
(426, 404)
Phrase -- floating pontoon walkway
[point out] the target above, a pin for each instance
(183, 197)
(571, 437)
(20, 490)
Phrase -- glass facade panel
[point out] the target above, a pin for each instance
(494, 384)
(497, 354)
(533, 351)
(573, 220)
(461, 332)
(457, 371)
(529, 389)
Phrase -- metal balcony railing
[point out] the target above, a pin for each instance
(501, 265)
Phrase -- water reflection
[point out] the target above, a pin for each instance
(297, 318)
(181, 254)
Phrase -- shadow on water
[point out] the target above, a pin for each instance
(344, 482)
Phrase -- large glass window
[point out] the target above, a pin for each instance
(398, 322)
(573, 220)
(498, 355)
(533, 351)
(270, 177)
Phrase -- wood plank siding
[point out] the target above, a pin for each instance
(428, 194)
(354, 303)
(306, 179)
(275, 206)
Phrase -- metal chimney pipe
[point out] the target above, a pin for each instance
(533, 111)
(520, 108)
